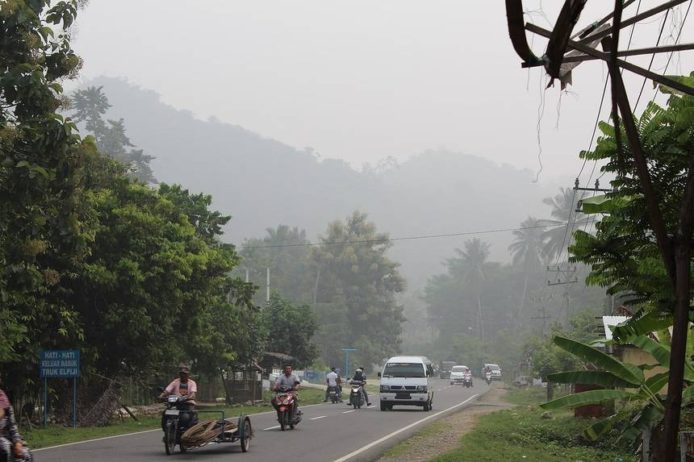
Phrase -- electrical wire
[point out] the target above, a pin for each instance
(677, 40)
(404, 238)
(650, 64)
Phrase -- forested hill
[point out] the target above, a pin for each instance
(262, 183)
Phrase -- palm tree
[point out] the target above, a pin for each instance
(474, 259)
(564, 219)
(528, 251)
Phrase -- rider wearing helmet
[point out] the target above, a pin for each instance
(360, 376)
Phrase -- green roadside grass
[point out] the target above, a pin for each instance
(54, 435)
(522, 434)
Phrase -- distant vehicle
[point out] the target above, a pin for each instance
(458, 374)
(495, 370)
(445, 369)
(522, 381)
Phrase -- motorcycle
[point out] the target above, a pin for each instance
(285, 402)
(333, 394)
(356, 394)
(488, 377)
(177, 418)
(27, 456)
(467, 379)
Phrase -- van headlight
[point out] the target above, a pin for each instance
(422, 388)
(385, 388)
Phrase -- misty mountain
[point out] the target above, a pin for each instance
(262, 182)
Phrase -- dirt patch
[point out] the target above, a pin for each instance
(425, 445)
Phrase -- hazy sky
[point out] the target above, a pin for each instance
(362, 80)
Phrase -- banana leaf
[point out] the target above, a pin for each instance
(648, 417)
(626, 372)
(657, 382)
(599, 428)
(588, 397)
(641, 323)
(605, 379)
(661, 353)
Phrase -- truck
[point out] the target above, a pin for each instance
(445, 369)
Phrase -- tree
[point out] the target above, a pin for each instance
(557, 237)
(43, 225)
(290, 329)
(527, 251)
(355, 297)
(285, 251)
(472, 265)
(89, 107)
(644, 244)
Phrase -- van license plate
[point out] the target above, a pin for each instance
(402, 396)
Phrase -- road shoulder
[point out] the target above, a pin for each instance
(444, 435)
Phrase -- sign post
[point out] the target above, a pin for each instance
(59, 364)
(347, 352)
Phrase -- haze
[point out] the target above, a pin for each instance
(356, 80)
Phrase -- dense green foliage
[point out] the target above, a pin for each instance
(355, 293)
(134, 277)
(290, 329)
(622, 252)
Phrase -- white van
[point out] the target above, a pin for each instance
(405, 381)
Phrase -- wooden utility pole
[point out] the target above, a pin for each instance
(675, 247)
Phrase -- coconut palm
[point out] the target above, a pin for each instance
(528, 252)
(473, 260)
(564, 220)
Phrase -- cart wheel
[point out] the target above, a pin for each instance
(246, 438)
(170, 437)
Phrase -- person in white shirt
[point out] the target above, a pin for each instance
(332, 379)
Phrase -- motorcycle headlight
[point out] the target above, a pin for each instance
(421, 388)
(384, 388)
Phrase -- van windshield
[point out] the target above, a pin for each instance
(404, 370)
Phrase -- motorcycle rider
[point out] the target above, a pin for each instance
(360, 376)
(10, 439)
(186, 387)
(332, 379)
(287, 381)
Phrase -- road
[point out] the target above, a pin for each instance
(328, 432)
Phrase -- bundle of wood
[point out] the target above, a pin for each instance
(205, 432)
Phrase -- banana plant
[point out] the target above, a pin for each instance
(622, 381)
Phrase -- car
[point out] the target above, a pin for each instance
(522, 381)
(458, 373)
(405, 381)
(496, 370)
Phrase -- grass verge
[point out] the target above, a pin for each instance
(522, 434)
(53, 435)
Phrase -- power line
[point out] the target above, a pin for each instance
(650, 64)
(404, 238)
(679, 34)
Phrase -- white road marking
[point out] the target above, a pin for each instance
(347, 412)
(390, 435)
(271, 428)
(95, 439)
(319, 417)
(139, 433)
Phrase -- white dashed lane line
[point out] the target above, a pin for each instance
(271, 428)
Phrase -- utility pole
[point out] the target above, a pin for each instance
(544, 318)
(267, 285)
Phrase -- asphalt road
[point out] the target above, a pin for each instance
(328, 432)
